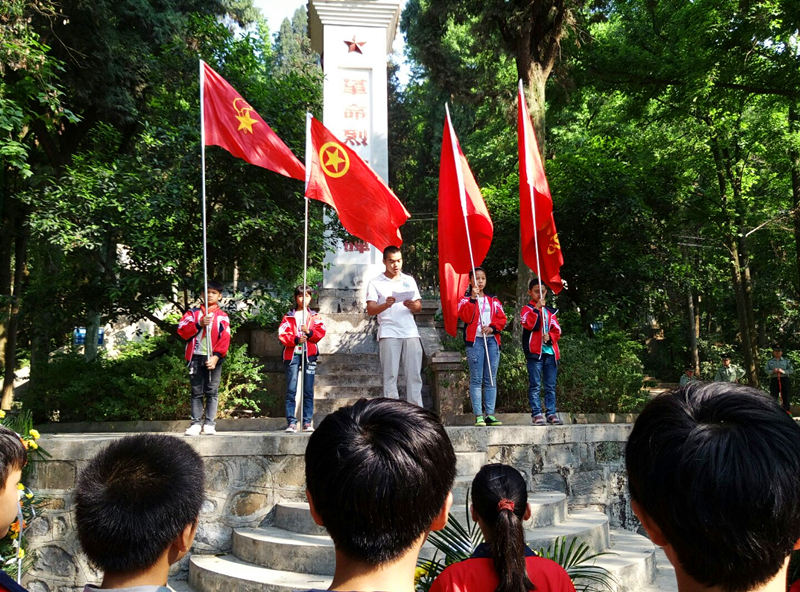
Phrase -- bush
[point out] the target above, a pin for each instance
(600, 374)
(147, 381)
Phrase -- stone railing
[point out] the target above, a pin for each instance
(247, 473)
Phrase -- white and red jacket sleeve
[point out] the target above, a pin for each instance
(469, 313)
(189, 329)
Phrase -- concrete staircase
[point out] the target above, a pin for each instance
(290, 552)
(348, 367)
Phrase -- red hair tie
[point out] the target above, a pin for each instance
(505, 504)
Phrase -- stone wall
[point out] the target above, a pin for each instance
(248, 472)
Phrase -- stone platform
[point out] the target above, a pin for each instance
(255, 532)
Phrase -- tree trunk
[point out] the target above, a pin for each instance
(794, 163)
(695, 358)
(10, 346)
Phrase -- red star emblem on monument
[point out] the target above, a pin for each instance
(354, 45)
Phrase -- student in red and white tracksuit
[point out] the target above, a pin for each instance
(484, 319)
(299, 332)
(540, 335)
(205, 365)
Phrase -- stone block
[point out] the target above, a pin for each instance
(217, 476)
(609, 452)
(212, 537)
(587, 487)
(51, 475)
(548, 482)
(569, 454)
(55, 560)
(247, 503)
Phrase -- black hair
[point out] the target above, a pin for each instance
(469, 287)
(535, 282)
(134, 498)
(493, 483)
(215, 285)
(13, 454)
(716, 466)
(390, 250)
(301, 290)
(378, 473)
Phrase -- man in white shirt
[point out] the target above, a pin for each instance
(394, 297)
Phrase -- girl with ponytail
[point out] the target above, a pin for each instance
(504, 563)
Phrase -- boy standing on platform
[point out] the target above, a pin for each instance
(540, 335)
(207, 332)
(394, 298)
(299, 332)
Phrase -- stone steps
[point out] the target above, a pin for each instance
(294, 553)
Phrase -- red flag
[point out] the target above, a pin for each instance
(462, 215)
(367, 208)
(534, 190)
(231, 123)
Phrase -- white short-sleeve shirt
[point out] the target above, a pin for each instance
(397, 320)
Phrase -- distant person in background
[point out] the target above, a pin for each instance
(483, 318)
(779, 369)
(504, 563)
(687, 376)
(394, 298)
(728, 372)
(714, 477)
(207, 332)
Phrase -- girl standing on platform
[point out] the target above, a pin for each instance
(484, 319)
(299, 332)
(504, 563)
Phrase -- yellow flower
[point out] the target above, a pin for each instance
(35, 433)
(34, 445)
(2, 414)
(419, 572)
(29, 495)
(21, 553)
(21, 486)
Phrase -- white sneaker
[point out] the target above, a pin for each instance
(209, 430)
(308, 427)
(292, 428)
(193, 430)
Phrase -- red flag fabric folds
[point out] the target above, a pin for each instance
(461, 210)
(366, 207)
(536, 203)
(231, 123)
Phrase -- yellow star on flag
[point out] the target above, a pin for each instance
(245, 121)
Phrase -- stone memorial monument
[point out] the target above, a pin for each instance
(354, 38)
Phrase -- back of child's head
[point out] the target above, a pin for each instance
(378, 473)
(13, 455)
(500, 498)
(134, 498)
(716, 467)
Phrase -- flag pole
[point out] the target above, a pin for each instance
(203, 185)
(529, 169)
(462, 196)
(298, 406)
